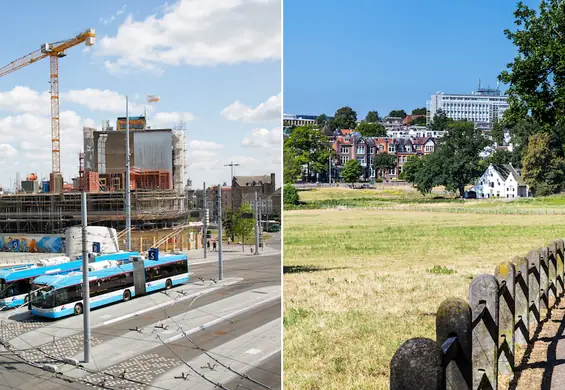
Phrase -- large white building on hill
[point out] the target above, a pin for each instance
(482, 107)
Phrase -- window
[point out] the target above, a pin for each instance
(361, 149)
(67, 295)
(344, 159)
(392, 171)
(391, 148)
(373, 150)
(345, 149)
(361, 160)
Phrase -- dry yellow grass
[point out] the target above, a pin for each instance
(344, 322)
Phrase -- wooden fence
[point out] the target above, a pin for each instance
(476, 341)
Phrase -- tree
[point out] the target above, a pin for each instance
(292, 169)
(537, 85)
(497, 132)
(311, 149)
(228, 223)
(290, 194)
(321, 120)
(543, 169)
(440, 121)
(372, 117)
(345, 118)
(419, 111)
(457, 156)
(382, 162)
(398, 114)
(243, 226)
(428, 174)
(499, 157)
(370, 129)
(351, 171)
(410, 169)
(418, 121)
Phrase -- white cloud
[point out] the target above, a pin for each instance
(7, 150)
(263, 138)
(23, 99)
(165, 120)
(111, 18)
(197, 32)
(29, 136)
(204, 145)
(103, 100)
(266, 111)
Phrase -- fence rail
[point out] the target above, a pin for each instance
(476, 341)
(459, 210)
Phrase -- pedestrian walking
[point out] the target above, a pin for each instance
(208, 244)
(214, 246)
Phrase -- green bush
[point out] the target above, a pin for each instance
(290, 195)
(379, 180)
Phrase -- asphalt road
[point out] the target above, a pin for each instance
(232, 323)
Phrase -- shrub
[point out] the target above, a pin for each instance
(290, 194)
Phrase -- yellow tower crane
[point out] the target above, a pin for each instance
(54, 51)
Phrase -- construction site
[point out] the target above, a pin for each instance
(156, 174)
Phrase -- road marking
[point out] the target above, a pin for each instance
(253, 351)
(220, 319)
(169, 303)
(234, 258)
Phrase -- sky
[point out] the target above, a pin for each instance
(384, 55)
(216, 65)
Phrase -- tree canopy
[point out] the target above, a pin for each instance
(543, 169)
(372, 117)
(290, 194)
(292, 169)
(309, 147)
(398, 114)
(321, 120)
(371, 129)
(382, 162)
(351, 171)
(345, 118)
(243, 226)
(440, 121)
(419, 111)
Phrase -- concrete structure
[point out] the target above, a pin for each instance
(107, 238)
(151, 150)
(499, 181)
(299, 120)
(482, 107)
(413, 132)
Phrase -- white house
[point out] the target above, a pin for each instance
(500, 181)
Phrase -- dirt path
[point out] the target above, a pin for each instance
(544, 367)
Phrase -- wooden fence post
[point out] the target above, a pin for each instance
(453, 318)
(534, 289)
(505, 274)
(552, 263)
(483, 299)
(521, 298)
(417, 365)
(544, 283)
(560, 266)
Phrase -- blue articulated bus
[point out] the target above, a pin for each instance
(56, 296)
(15, 282)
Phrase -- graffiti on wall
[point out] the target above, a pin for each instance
(32, 244)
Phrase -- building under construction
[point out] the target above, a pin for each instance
(158, 199)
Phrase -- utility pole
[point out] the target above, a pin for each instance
(205, 221)
(85, 285)
(260, 218)
(128, 199)
(220, 268)
(256, 226)
(330, 169)
(232, 165)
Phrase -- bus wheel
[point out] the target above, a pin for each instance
(78, 308)
(168, 284)
(127, 295)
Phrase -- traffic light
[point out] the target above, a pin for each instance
(207, 216)
(208, 234)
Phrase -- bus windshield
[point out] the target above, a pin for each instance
(42, 296)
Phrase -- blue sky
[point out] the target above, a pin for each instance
(384, 55)
(223, 79)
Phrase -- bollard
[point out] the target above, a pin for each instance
(483, 299)
(453, 318)
(505, 274)
(417, 365)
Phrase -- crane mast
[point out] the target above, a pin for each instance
(54, 51)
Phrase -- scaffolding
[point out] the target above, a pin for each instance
(47, 213)
(180, 162)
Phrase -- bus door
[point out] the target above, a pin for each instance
(139, 276)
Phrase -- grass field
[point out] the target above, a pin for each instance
(358, 283)
(406, 196)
